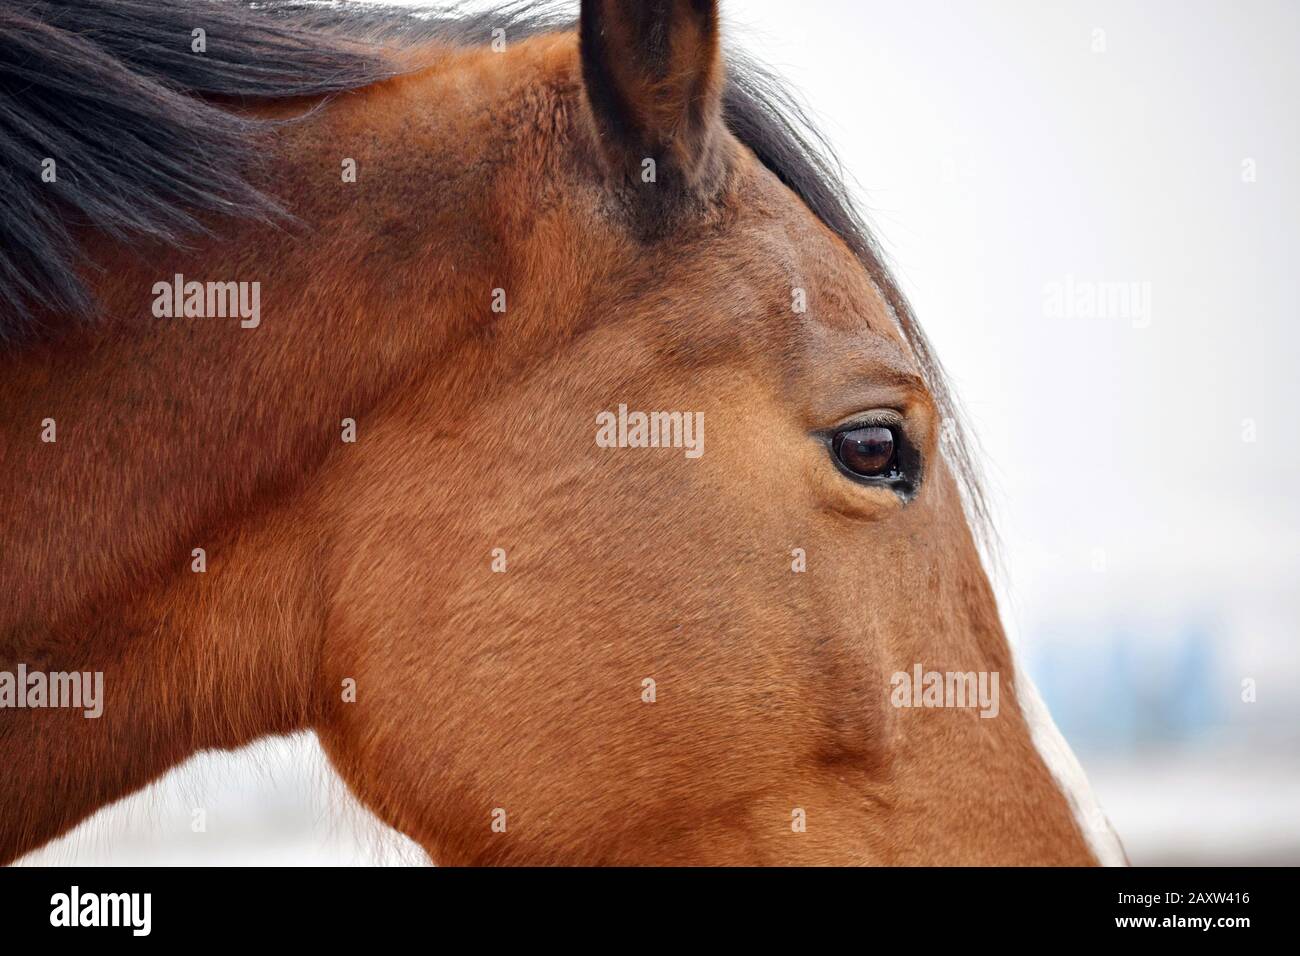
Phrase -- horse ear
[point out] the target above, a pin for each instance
(653, 73)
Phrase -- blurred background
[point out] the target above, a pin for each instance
(1094, 208)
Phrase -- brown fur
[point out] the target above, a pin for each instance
(371, 561)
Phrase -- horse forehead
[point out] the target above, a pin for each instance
(829, 285)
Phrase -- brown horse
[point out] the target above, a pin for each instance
(356, 376)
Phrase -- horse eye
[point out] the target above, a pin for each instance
(869, 452)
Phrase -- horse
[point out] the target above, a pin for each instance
(356, 366)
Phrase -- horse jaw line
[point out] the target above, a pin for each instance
(1068, 773)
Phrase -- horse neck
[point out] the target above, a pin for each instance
(169, 426)
(181, 433)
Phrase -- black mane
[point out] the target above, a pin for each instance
(110, 90)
